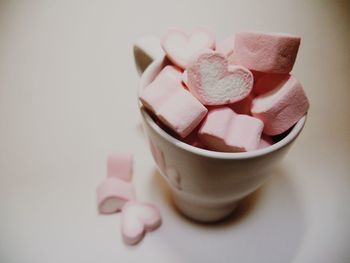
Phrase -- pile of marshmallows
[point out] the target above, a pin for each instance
(117, 194)
(231, 96)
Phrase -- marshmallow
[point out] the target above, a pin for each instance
(265, 141)
(179, 46)
(112, 194)
(185, 78)
(119, 165)
(266, 52)
(225, 46)
(257, 75)
(138, 218)
(224, 130)
(231, 59)
(268, 82)
(214, 82)
(172, 104)
(243, 106)
(193, 139)
(172, 71)
(282, 107)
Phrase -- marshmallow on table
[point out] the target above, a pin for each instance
(112, 194)
(119, 165)
(138, 218)
(282, 107)
(224, 130)
(266, 52)
(172, 104)
(180, 47)
(214, 82)
(225, 46)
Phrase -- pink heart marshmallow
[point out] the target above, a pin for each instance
(180, 47)
(225, 46)
(138, 218)
(214, 82)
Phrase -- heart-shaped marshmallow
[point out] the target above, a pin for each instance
(180, 47)
(137, 218)
(225, 46)
(214, 82)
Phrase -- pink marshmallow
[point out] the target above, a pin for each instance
(225, 46)
(172, 104)
(180, 47)
(243, 106)
(185, 78)
(224, 130)
(282, 107)
(257, 75)
(171, 71)
(268, 82)
(157, 92)
(213, 82)
(119, 165)
(112, 194)
(265, 141)
(193, 139)
(137, 219)
(231, 59)
(266, 52)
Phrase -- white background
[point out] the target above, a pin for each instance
(68, 97)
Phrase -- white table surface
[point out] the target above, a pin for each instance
(68, 98)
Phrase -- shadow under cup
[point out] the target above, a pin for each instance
(207, 185)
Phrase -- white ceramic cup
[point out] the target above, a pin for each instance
(206, 185)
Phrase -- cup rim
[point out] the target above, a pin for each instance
(157, 65)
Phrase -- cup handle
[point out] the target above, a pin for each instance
(146, 50)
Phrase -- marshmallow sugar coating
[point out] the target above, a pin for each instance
(281, 107)
(180, 46)
(112, 194)
(214, 82)
(137, 219)
(172, 104)
(224, 130)
(266, 52)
